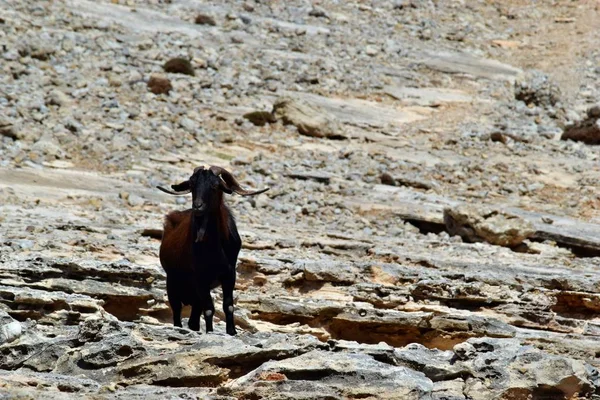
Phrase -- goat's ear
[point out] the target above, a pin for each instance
(181, 187)
(178, 189)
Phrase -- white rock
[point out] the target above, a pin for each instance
(10, 332)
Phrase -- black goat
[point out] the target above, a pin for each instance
(200, 246)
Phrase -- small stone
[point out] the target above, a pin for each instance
(205, 19)
(8, 129)
(10, 332)
(260, 279)
(57, 98)
(594, 111)
(535, 87)
(10, 329)
(187, 124)
(159, 84)
(387, 179)
(260, 118)
(47, 146)
(179, 66)
(318, 12)
(371, 50)
(399, 4)
(135, 201)
(498, 137)
(237, 39)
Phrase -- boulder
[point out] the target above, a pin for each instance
(309, 119)
(482, 224)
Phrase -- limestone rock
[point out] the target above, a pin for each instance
(535, 87)
(481, 224)
(523, 371)
(324, 374)
(309, 120)
(10, 329)
(58, 98)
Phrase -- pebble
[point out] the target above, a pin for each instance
(135, 201)
(371, 50)
(159, 84)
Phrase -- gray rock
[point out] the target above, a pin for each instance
(188, 124)
(328, 272)
(57, 98)
(371, 50)
(10, 329)
(39, 48)
(48, 147)
(481, 224)
(318, 12)
(135, 201)
(535, 87)
(321, 374)
(308, 119)
(435, 364)
(502, 367)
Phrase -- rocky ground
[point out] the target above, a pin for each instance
(429, 232)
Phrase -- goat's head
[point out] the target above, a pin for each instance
(207, 187)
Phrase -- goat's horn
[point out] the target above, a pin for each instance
(232, 183)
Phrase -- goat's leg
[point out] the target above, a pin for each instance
(228, 285)
(194, 321)
(174, 301)
(209, 310)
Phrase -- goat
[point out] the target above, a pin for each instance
(200, 246)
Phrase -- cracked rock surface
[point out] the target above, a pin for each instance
(427, 234)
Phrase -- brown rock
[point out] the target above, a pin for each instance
(586, 131)
(159, 84)
(387, 179)
(179, 66)
(260, 118)
(8, 129)
(205, 19)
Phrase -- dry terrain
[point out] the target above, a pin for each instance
(428, 232)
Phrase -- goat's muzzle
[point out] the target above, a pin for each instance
(199, 209)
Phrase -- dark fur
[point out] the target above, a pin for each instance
(195, 267)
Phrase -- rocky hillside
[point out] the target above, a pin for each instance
(432, 230)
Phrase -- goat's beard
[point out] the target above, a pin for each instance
(200, 224)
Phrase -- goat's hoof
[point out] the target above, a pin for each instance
(231, 331)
